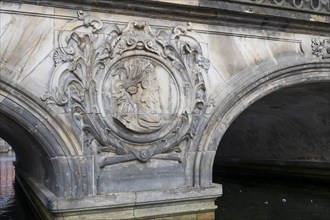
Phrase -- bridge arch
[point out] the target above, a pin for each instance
(250, 86)
(43, 145)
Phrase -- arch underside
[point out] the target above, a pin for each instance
(288, 130)
(250, 87)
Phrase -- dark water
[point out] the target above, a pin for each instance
(251, 198)
(12, 202)
(258, 198)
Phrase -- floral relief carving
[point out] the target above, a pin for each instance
(321, 48)
(136, 89)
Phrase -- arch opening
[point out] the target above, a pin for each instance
(243, 91)
(28, 151)
(287, 131)
(273, 155)
(47, 153)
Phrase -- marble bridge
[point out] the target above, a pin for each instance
(125, 109)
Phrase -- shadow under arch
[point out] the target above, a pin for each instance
(47, 156)
(284, 133)
(250, 86)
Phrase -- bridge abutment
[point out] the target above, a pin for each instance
(178, 203)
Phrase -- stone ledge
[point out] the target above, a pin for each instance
(210, 12)
(144, 204)
(318, 6)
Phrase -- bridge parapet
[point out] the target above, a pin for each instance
(319, 6)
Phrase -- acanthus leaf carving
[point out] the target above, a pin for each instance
(321, 48)
(134, 87)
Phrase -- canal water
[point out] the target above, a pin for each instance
(261, 198)
(12, 202)
(248, 198)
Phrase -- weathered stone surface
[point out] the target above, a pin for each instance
(186, 2)
(120, 114)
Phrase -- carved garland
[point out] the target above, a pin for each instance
(134, 88)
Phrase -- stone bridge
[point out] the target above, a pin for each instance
(116, 109)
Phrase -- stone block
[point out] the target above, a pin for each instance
(178, 217)
(205, 216)
(178, 210)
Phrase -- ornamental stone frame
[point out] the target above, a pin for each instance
(139, 94)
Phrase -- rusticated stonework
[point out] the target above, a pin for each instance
(136, 89)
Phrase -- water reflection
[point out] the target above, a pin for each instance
(256, 198)
(7, 176)
(12, 203)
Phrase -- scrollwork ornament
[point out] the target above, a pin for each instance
(134, 87)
